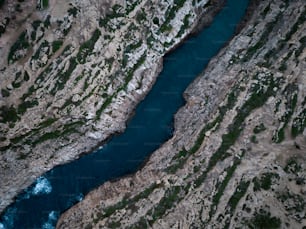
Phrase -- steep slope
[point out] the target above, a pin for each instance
(72, 73)
(237, 157)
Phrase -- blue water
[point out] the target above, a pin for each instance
(39, 206)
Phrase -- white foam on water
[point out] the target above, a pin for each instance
(8, 219)
(52, 215)
(80, 197)
(47, 226)
(52, 218)
(42, 186)
(26, 195)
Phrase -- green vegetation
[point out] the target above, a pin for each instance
(128, 78)
(22, 108)
(290, 92)
(16, 84)
(86, 84)
(22, 156)
(8, 114)
(130, 72)
(66, 129)
(166, 28)
(132, 47)
(258, 97)
(5, 93)
(2, 3)
(21, 44)
(259, 128)
(47, 22)
(284, 42)
(47, 123)
(141, 16)
(116, 13)
(265, 181)
(297, 203)
(56, 45)
(254, 139)
(109, 62)
(43, 4)
(18, 80)
(299, 123)
(26, 76)
(126, 202)
(171, 196)
(64, 76)
(184, 26)
(266, 10)
(18, 8)
(292, 166)
(127, 50)
(87, 47)
(114, 224)
(263, 38)
(156, 20)
(105, 104)
(283, 67)
(301, 47)
(36, 24)
(131, 6)
(150, 40)
(73, 11)
(235, 198)
(180, 159)
(221, 186)
(238, 194)
(263, 220)
(4, 24)
(34, 131)
(301, 19)
(44, 47)
(170, 14)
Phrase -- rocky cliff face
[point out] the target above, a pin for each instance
(237, 157)
(73, 71)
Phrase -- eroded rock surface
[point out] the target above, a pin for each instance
(237, 157)
(73, 71)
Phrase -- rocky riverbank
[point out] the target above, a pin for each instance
(237, 157)
(73, 72)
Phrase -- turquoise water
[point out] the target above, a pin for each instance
(39, 206)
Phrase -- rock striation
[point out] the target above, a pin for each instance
(73, 71)
(237, 157)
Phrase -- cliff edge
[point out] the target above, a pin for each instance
(237, 157)
(73, 71)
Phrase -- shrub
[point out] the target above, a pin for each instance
(8, 114)
(56, 45)
(259, 128)
(264, 220)
(5, 93)
(87, 47)
(20, 44)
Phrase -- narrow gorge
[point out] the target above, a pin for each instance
(237, 157)
(72, 73)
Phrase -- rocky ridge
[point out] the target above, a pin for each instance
(72, 73)
(237, 157)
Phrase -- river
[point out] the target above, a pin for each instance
(40, 205)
